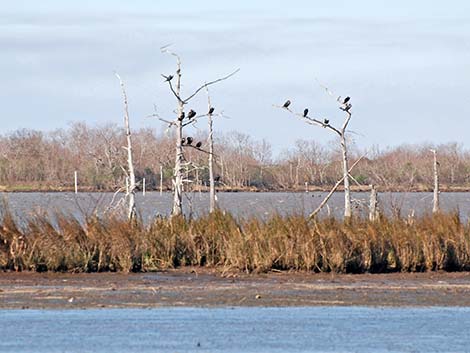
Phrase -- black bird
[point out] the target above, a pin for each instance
(168, 78)
(326, 121)
(305, 112)
(189, 140)
(346, 100)
(286, 104)
(191, 114)
(183, 141)
(211, 110)
(199, 144)
(181, 117)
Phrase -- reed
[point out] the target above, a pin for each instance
(218, 240)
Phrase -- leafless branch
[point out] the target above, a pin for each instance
(208, 84)
(332, 191)
(310, 120)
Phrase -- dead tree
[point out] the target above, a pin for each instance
(182, 120)
(435, 201)
(210, 140)
(345, 106)
(130, 191)
(373, 204)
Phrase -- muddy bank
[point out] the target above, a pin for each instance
(210, 289)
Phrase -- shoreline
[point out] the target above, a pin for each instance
(205, 191)
(208, 288)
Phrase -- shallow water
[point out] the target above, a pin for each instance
(308, 329)
(241, 204)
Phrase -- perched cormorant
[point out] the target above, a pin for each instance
(199, 144)
(181, 117)
(211, 110)
(305, 112)
(183, 141)
(346, 100)
(191, 114)
(189, 140)
(326, 121)
(286, 104)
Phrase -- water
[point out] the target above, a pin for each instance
(308, 329)
(242, 204)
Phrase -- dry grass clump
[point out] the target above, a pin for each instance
(438, 242)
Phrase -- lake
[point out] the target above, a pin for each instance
(241, 204)
(304, 329)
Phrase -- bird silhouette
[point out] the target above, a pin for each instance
(189, 140)
(305, 112)
(181, 117)
(199, 144)
(346, 100)
(211, 110)
(183, 141)
(191, 114)
(286, 104)
(326, 121)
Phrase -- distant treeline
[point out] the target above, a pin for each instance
(32, 159)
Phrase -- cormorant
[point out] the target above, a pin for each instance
(181, 117)
(326, 121)
(305, 112)
(168, 78)
(346, 100)
(199, 144)
(211, 110)
(191, 114)
(183, 141)
(286, 104)
(189, 140)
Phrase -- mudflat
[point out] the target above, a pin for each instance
(196, 287)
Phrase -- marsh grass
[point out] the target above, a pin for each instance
(429, 243)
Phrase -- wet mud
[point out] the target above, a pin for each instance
(194, 287)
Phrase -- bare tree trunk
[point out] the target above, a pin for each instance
(373, 210)
(130, 192)
(211, 166)
(179, 170)
(435, 204)
(179, 157)
(347, 188)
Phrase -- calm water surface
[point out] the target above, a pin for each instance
(242, 204)
(312, 329)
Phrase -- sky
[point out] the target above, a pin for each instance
(405, 65)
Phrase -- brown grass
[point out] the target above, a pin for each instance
(439, 242)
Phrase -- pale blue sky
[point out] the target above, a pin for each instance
(406, 64)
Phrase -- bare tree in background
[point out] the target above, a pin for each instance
(345, 106)
(130, 191)
(435, 201)
(182, 120)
